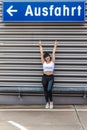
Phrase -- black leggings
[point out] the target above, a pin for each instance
(47, 81)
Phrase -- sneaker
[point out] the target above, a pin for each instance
(47, 105)
(51, 105)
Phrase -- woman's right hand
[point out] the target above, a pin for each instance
(56, 42)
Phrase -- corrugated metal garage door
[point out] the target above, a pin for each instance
(20, 63)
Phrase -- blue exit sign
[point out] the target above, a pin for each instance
(44, 11)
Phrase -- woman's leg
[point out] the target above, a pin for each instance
(44, 82)
(50, 86)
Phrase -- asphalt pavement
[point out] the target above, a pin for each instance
(62, 117)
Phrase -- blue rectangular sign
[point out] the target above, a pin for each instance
(44, 11)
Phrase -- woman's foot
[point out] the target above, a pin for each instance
(51, 105)
(47, 105)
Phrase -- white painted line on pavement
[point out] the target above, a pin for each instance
(81, 110)
(36, 110)
(42, 110)
(17, 125)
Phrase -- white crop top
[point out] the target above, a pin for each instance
(48, 67)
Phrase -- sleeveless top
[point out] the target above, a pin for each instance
(48, 67)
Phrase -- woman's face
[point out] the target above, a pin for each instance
(47, 59)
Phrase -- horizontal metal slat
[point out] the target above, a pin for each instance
(44, 33)
(39, 67)
(49, 25)
(40, 30)
(19, 50)
(36, 56)
(65, 62)
(21, 84)
(36, 79)
(44, 43)
(34, 73)
(44, 38)
(70, 85)
(71, 67)
(70, 74)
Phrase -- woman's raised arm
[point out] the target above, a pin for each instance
(54, 50)
(41, 52)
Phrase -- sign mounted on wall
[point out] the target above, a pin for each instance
(44, 11)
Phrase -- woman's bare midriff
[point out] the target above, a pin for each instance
(48, 72)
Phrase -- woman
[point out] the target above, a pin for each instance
(48, 78)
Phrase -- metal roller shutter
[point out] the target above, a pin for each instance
(20, 63)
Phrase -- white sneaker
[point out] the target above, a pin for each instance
(47, 105)
(51, 105)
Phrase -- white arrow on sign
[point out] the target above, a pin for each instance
(10, 10)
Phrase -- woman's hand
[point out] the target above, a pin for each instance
(56, 43)
(40, 43)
